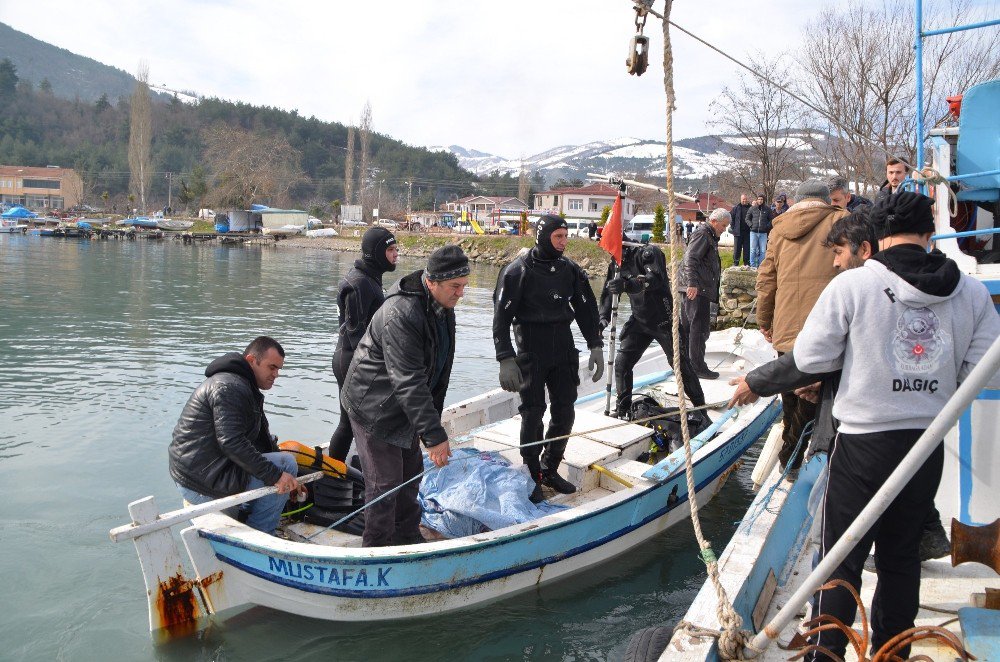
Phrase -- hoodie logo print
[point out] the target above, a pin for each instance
(919, 342)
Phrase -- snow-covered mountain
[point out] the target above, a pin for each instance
(694, 158)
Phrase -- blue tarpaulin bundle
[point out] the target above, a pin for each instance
(475, 495)
(18, 212)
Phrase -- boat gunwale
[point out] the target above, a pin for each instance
(504, 536)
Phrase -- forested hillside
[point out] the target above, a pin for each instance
(37, 128)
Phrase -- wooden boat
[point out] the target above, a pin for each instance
(173, 224)
(772, 552)
(620, 502)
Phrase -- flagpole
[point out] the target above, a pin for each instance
(611, 344)
(613, 244)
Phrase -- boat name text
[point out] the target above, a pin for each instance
(377, 576)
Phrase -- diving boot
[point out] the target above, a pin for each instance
(934, 542)
(557, 482)
(536, 494)
(535, 471)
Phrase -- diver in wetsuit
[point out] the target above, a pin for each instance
(540, 293)
(360, 295)
(643, 277)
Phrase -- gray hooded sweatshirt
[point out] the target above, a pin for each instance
(903, 351)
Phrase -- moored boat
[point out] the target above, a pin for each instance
(173, 224)
(620, 502)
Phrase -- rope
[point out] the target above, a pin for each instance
(931, 177)
(732, 639)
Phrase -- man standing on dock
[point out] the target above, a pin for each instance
(700, 274)
(540, 293)
(795, 270)
(905, 329)
(395, 388)
(360, 295)
(222, 444)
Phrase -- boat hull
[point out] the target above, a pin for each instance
(347, 584)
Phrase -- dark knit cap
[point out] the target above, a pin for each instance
(543, 234)
(373, 246)
(447, 262)
(905, 212)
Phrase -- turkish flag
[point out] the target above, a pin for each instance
(611, 236)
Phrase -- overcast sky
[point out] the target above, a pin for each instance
(510, 77)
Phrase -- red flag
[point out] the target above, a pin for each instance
(611, 236)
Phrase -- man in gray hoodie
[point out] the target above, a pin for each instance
(905, 329)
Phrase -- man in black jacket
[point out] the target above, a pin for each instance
(759, 221)
(740, 230)
(643, 276)
(700, 275)
(360, 295)
(540, 293)
(222, 444)
(395, 389)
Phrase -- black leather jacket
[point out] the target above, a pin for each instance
(781, 376)
(219, 439)
(759, 218)
(702, 266)
(388, 386)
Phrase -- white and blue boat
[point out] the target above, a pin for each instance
(620, 502)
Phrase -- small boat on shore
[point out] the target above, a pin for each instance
(620, 502)
(12, 226)
(173, 224)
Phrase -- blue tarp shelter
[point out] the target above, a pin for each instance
(18, 212)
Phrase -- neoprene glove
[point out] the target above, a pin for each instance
(596, 363)
(633, 285)
(510, 375)
(616, 286)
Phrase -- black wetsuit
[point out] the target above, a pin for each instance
(360, 295)
(644, 272)
(540, 298)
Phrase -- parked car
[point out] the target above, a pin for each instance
(354, 224)
(388, 223)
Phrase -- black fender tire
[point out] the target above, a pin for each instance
(648, 644)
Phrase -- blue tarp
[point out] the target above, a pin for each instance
(258, 207)
(18, 212)
(484, 493)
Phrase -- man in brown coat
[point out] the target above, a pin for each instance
(795, 270)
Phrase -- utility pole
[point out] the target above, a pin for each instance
(170, 185)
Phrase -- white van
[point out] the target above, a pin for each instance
(640, 228)
(577, 227)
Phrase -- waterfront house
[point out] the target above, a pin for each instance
(40, 188)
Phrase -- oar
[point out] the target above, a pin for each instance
(129, 531)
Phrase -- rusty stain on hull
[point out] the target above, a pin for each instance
(177, 605)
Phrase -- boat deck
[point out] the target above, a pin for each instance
(943, 590)
(597, 440)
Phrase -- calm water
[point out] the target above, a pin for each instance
(101, 343)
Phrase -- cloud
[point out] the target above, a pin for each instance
(511, 78)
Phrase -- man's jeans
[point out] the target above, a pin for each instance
(264, 513)
(758, 246)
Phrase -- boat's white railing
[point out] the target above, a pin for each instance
(166, 520)
(925, 445)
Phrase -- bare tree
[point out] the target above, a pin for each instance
(523, 186)
(250, 167)
(767, 123)
(140, 138)
(365, 131)
(859, 68)
(349, 168)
